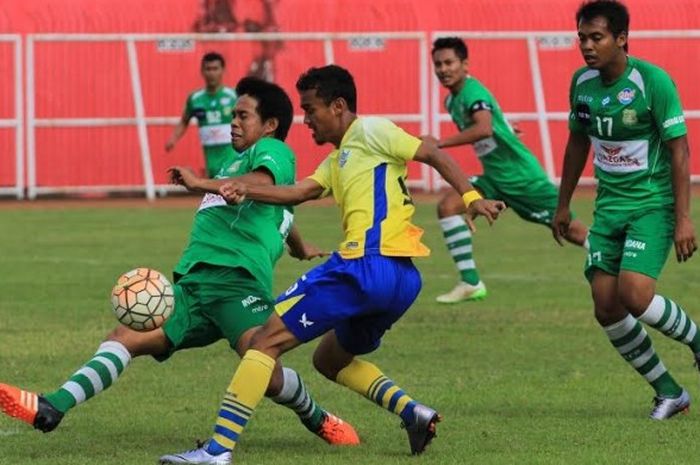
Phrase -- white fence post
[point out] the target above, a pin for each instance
(140, 120)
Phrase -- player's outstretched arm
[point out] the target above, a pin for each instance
(575, 158)
(237, 192)
(481, 129)
(430, 154)
(184, 176)
(178, 132)
(684, 235)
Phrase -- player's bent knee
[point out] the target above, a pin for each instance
(323, 366)
(635, 299)
(139, 343)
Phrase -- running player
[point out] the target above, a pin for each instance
(213, 108)
(629, 112)
(511, 171)
(361, 291)
(223, 281)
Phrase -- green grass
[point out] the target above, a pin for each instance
(525, 376)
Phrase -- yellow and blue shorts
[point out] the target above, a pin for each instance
(359, 298)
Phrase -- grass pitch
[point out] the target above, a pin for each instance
(525, 376)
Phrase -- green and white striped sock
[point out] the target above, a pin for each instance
(96, 375)
(295, 397)
(458, 238)
(631, 340)
(669, 318)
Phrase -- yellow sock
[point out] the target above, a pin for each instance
(366, 379)
(246, 390)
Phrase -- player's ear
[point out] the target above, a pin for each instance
(621, 39)
(338, 106)
(270, 126)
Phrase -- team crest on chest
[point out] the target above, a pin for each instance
(343, 159)
(629, 117)
(626, 95)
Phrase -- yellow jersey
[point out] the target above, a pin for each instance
(367, 177)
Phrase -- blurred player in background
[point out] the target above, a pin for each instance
(213, 108)
(361, 291)
(511, 171)
(223, 281)
(629, 111)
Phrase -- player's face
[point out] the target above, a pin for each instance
(322, 119)
(598, 45)
(213, 73)
(246, 127)
(449, 69)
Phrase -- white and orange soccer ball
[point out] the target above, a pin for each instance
(143, 299)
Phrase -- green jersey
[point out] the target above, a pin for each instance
(249, 235)
(628, 122)
(506, 160)
(214, 113)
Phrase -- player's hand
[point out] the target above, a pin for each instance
(684, 239)
(429, 139)
(489, 209)
(183, 176)
(560, 224)
(169, 145)
(307, 252)
(233, 192)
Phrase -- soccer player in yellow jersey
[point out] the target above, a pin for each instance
(363, 289)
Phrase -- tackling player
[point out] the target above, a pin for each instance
(629, 112)
(223, 281)
(362, 290)
(511, 171)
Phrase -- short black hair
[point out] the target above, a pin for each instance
(454, 43)
(331, 82)
(273, 102)
(213, 56)
(614, 12)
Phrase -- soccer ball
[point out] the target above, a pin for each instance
(143, 299)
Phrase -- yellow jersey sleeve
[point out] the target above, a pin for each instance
(322, 175)
(385, 137)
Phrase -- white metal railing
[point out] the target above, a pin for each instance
(541, 115)
(141, 121)
(18, 121)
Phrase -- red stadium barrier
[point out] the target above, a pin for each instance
(91, 80)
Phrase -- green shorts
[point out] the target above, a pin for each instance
(213, 303)
(636, 241)
(536, 202)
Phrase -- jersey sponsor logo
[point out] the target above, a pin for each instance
(343, 158)
(583, 114)
(629, 117)
(626, 95)
(224, 101)
(605, 101)
(218, 134)
(479, 105)
(620, 157)
(673, 121)
(211, 200)
(485, 146)
(584, 98)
